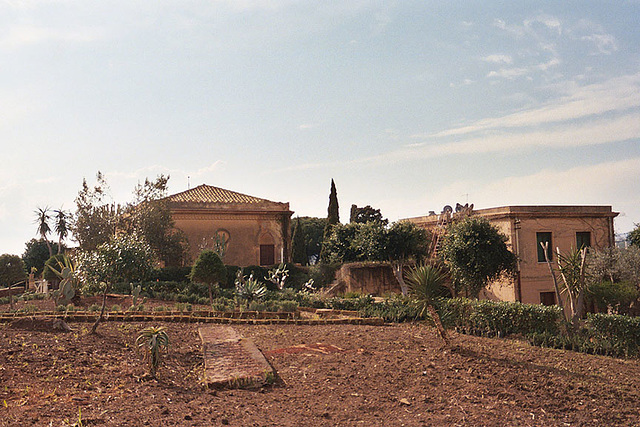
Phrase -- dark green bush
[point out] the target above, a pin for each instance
(622, 332)
(170, 274)
(617, 296)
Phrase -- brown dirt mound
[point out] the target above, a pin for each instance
(41, 324)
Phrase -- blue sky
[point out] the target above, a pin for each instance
(408, 105)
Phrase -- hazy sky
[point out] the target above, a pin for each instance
(408, 105)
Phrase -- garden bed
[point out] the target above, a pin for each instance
(377, 376)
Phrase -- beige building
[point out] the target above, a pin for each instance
(253, 231)
(564, 227)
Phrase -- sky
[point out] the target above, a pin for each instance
(407, 105)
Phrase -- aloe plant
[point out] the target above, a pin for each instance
(154, 340)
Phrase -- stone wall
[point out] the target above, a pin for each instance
(368, 278)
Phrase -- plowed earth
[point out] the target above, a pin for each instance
(327, 376)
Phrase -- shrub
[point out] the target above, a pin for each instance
(611, 295)
(622, 332)
(171, 274)
(116, 307)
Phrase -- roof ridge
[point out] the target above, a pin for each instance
(204, 193)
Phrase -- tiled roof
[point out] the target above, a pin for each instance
(210, 194)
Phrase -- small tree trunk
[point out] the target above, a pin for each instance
(210, 294)
(397, 272)
(94, 328)
(545, 247)
(436, 319)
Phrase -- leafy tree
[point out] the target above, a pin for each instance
(42, 220)
(208, 269)
(407, 243)
(36, 253)
(312, 232)
(614, 296)
(149, 216)
(634, 236)
(96, 218)
(298, 249)
(11, 270)
(426, 283)
(337, 246)
(125, 259)
(366, 214)
(402, 243)
(476, 253)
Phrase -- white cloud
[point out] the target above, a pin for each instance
(614, 95)
(604, 43)
(498, 59)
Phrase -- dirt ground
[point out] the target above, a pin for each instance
(367, 376)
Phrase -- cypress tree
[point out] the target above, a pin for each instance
(333, 215)
(299, 248)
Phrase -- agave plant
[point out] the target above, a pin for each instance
(154, 340)
(249, 288)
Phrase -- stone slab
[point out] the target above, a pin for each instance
(231, 360)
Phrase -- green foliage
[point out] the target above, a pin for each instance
(42, 220)
(373, 241)
(333, 214)
(426, 283)
(11, 270)
(125, 259)
(208, 268)
(634, 236)
(476, 253)
(616, 297)
(366, 214)
(171, 274)
(298, 248)
(96, 218)
(312, 233)
(149, 216)
(622, 332)
(36, 254)
(64, 270)
(153, 340)
(249, 288)
(51, 266)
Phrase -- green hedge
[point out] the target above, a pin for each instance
(622, 332)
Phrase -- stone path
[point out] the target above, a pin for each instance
(231, 360)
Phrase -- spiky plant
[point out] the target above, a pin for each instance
(154, 340)
(426, 282)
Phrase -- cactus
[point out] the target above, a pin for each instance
(135, 294)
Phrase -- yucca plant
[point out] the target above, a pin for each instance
(154, 340)
(249, 289)
(426, 282)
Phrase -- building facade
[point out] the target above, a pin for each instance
(251, 230)
(563, 227)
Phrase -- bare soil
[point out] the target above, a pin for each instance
(330, 375)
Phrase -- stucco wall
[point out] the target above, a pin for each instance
(246, 232)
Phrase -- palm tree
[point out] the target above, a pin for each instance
(42, 219)
(426, 283)
(62, 226)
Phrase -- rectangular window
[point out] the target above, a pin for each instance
(583, 239)
(547, 298)
(267, 254)
(544, 237)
